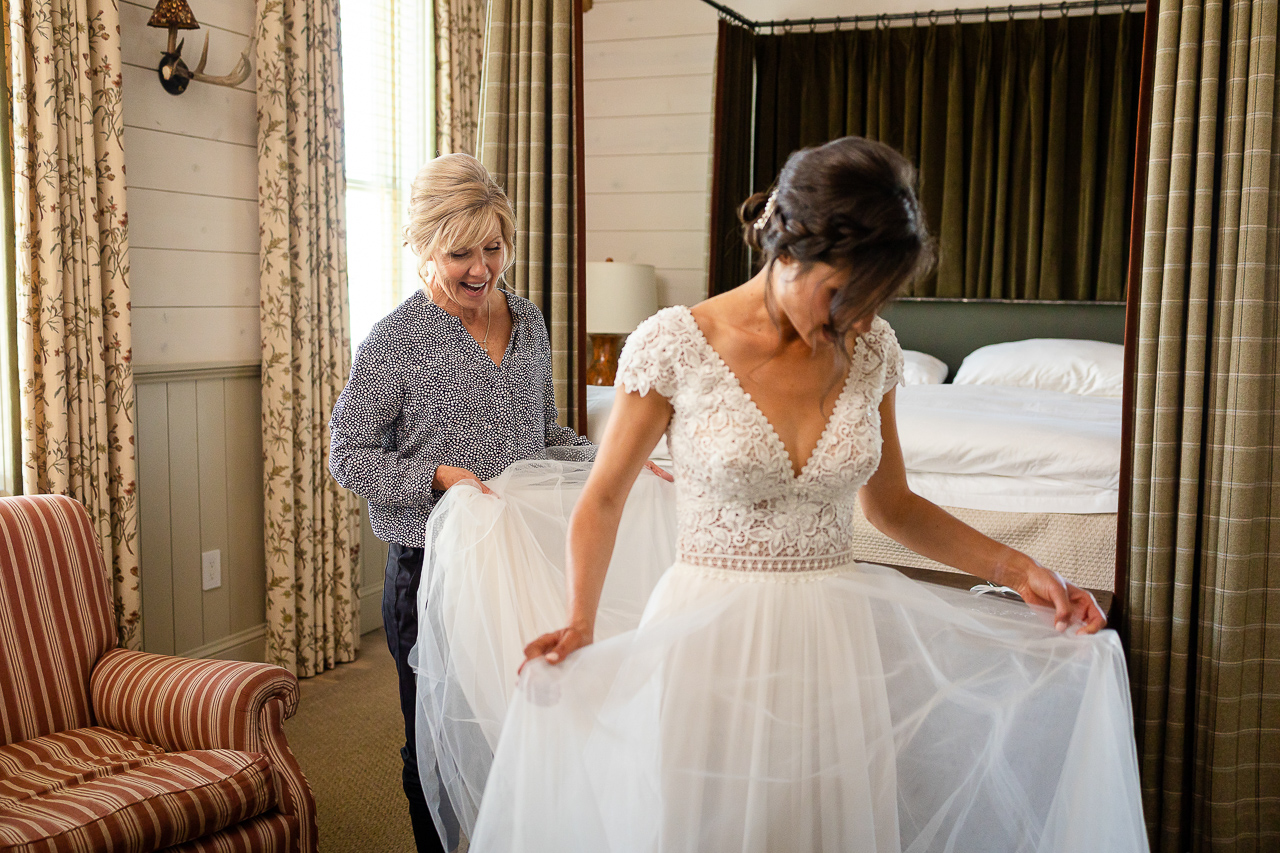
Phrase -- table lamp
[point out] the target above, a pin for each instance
(619, 298)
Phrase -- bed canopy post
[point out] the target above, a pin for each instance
(1138, 214)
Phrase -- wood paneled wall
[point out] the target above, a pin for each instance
(200, 466)
(192, 172)
(648, 74)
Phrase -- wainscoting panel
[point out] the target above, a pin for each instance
(373, 561)
(200, 489)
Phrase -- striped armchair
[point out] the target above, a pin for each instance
(106, 749)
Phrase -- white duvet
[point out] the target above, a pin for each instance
(1010, 449)
(989, 447)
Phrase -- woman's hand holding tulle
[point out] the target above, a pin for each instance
(1070, 603)
(448, 476)
(659, 470)
(557, 645)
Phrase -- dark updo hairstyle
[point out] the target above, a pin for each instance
(849, 203)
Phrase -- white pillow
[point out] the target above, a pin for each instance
(1092, 368)
(599, 404)
(920, 368)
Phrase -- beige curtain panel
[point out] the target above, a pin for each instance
(527, 143)
(72, 265)
(311, 523)
(459, 62)
(1203, 620)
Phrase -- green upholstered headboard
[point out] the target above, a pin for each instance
(950, 329)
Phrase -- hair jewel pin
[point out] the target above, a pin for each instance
(768, 211)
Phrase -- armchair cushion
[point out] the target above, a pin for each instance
(97, 789)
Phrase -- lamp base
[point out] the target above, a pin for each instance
(603, 367)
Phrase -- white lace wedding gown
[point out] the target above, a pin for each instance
(778, 696)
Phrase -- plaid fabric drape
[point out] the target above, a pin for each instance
(459, 62)
(71, 237)
(1203, 620)
(311, 523)
(527, 143)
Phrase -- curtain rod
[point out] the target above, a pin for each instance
(930, 15)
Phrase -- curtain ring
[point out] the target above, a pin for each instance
(1062, 7)
(813, 26)
(933, 17)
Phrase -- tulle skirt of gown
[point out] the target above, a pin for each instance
(846, 709)
(492, 580)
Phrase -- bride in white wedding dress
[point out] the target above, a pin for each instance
(777, 695)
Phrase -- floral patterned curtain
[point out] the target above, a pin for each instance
(312, 537)
(74, 339)
(459, 61)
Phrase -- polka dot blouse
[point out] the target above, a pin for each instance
(423, 393)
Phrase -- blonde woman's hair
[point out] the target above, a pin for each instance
(454, 203)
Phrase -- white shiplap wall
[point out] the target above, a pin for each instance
(648, 75)
(192, 172)
(191, 167)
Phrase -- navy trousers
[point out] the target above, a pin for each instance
(400, 621)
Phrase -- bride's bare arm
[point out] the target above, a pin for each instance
(902, 515)
(635, 425)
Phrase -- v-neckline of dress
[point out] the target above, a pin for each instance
(755, 407)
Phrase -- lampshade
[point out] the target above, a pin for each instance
(619, 297)
(173, 13)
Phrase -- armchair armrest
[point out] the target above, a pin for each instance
(184, 704)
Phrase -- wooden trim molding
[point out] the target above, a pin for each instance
(247, 645)
(157, 373)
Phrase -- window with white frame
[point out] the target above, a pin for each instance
(388, 71)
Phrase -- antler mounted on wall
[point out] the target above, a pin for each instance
(174, 73)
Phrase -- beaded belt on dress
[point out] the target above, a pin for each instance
(742, 563)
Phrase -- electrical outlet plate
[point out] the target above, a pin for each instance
(211, 569)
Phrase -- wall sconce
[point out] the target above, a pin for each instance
(174, 73)
(619, 298)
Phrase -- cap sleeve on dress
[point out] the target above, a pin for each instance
(890, 353)
(648, 360)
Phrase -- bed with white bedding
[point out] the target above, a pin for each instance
(1035, 469)
(1024, 445)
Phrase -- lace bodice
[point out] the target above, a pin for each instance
(739, 503)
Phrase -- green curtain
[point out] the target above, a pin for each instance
(729, 264)
(1203, 614)
(526, 141)
(1022, 132)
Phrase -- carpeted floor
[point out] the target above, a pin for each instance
(347, 736)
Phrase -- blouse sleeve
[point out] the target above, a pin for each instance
(649, 358)
(363, 420)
